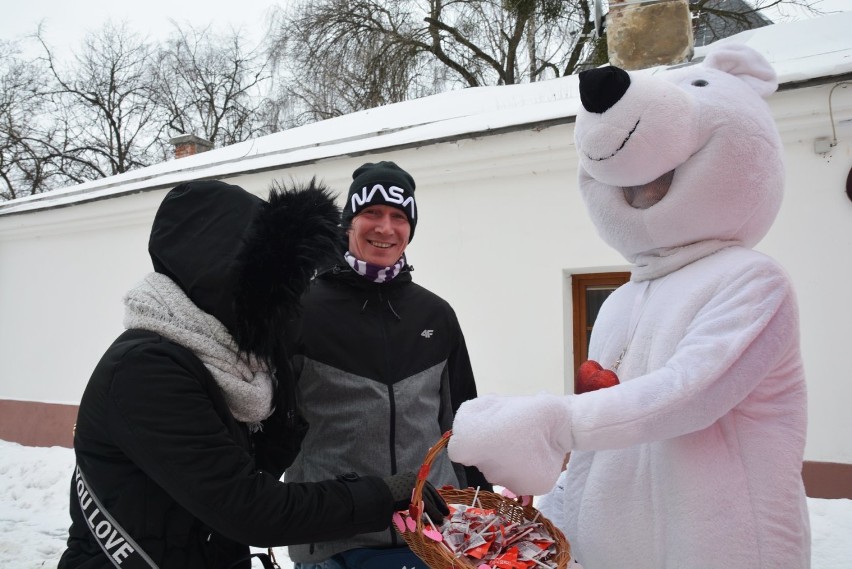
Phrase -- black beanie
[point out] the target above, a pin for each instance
(382, 183)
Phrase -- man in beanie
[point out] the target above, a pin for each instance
(186, 424)
(382, 367)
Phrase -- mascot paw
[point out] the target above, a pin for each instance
(517, 442)
(592, 376)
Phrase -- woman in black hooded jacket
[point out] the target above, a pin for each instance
(185, 425)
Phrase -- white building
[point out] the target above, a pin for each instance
(503, 236)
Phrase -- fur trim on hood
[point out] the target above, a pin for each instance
(294, 233)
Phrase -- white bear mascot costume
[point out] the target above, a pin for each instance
(692, 461)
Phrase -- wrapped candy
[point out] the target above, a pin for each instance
(490, 542)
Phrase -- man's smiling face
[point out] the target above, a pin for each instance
(379, 235)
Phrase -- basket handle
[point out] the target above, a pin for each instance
(415, 510)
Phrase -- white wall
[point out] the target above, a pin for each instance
(502, 228)
(812, 238)
(62, 275)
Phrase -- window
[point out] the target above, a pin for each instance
(588, 293)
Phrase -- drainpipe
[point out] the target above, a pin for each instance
(647, 33)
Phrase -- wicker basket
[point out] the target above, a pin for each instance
(437, 555)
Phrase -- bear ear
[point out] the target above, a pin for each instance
(745, 63)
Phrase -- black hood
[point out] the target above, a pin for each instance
(197, 233)
(244, 260)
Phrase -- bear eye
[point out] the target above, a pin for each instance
(700, 83)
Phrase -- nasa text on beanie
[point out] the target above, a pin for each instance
(382, 183)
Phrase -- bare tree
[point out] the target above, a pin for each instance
(717, 19)
(28, 138)
(103, 105)
(342, 56)
(357, 54)
(210, 85)
(20, 167)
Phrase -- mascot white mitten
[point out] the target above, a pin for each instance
(694, 459)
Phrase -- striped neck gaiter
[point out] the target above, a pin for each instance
(373, 272)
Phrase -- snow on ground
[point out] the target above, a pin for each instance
(34, 493)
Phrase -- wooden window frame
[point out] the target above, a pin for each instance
(580, 283)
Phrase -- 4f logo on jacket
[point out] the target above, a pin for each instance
(427, 333)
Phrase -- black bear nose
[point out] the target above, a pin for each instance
(602, 88)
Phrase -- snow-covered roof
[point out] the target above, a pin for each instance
(799, 51)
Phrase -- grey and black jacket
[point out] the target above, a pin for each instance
(381, 370)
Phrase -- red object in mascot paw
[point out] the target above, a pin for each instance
(592, 376)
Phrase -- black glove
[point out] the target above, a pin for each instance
(401, 486)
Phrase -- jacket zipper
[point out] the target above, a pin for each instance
(391, 402)
(391, 398)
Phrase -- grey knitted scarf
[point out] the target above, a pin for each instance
(159, 305)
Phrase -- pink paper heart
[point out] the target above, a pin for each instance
(433, 534)
(398, 522)
(410, 523)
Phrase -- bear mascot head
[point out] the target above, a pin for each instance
(692, 456)
(690, 159)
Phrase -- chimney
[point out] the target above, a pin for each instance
(189, 144)
(643, 34)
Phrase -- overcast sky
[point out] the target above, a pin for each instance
(67, 21)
